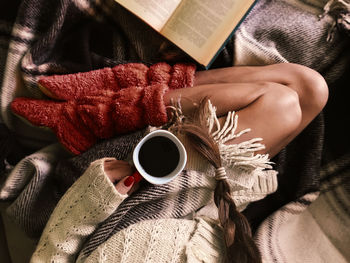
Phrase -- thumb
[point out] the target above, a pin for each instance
(124, 185)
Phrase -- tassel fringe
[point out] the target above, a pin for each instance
(235, 154)
(339, 10)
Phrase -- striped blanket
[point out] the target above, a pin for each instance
(313, 224)
(39, 37)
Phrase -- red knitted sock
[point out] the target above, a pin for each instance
(73, 86)
(96, 113)
(182, 76)
(154, 106)
(98, 82)
(132, 74)
(104, 102)
(159, 73)
(177, 76)
(95, 82)
(61, 117)
(71, 130)
(137, 107)
(37, 112)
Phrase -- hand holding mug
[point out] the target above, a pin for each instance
(123, 175)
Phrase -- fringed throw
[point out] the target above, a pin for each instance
(339, 10)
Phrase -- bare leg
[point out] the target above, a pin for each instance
(276, 101)
(271, 110)
(310, 86)
(310, 91)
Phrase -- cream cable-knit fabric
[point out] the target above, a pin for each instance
(198, 238)
(90, 200)
(93, 198)
(163, 240)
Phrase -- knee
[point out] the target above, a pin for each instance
(286, 107)
(312, 87)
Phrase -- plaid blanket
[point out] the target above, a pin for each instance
(314, 170)
(291, 31)
(39, 37)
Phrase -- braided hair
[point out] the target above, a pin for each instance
(240, 247)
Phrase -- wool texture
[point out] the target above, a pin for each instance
(121, 96)
(339, 11)
(38, 182)
(40, 38)
(316, 226)
(11, 152)
(33, 190)
(96, 82)
(190, 191)
(288, 41)
(91, 199)
(291, 31)
(250, 179)
(144, 219)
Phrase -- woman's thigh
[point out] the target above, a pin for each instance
(310, 86)
(270, 110)
(282, 73)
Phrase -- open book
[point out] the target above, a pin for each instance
(198, 27)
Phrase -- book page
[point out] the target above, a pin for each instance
(200, 27)
(154, 12)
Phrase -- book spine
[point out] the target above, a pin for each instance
(230, 36)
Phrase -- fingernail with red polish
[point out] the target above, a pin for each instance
(137, 176)
(129, 181)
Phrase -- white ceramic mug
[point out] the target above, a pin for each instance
(180, 166)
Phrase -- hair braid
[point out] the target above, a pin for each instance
(237, 234)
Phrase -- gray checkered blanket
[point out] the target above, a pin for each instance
(313, 225)
(39, 37)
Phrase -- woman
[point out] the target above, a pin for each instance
(276, 102)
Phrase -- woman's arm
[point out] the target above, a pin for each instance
(90, 200)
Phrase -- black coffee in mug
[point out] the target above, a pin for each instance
(159, 156)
